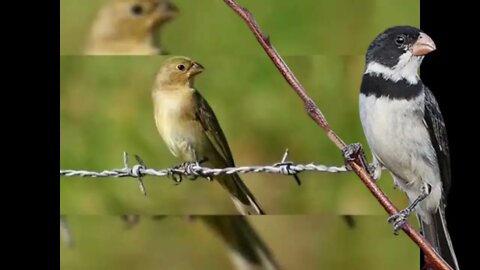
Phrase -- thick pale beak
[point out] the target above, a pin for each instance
(195, 69)
(423, 45)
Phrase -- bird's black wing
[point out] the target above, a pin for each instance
(438, 136)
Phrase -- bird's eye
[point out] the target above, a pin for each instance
(181, 67)
(400, 40)
(137, 10)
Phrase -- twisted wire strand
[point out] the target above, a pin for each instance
(194, 170)
(197, 170)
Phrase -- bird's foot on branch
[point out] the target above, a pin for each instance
(398, 220)
(354, 152)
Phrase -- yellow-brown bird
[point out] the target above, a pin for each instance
(127, 27)
(190, 129)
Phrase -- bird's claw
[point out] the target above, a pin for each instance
(355, 150)
(177, 172)
(189, 169)
(398, 220)
(350, 151)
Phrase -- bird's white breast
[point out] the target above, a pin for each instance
(398, 137)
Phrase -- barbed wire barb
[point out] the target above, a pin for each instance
(287, 165)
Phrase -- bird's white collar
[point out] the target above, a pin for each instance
(405, 69)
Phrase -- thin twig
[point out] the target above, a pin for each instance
(314, 112)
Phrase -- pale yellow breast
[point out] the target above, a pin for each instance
(174, 112)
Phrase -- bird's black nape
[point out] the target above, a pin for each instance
(388, 46)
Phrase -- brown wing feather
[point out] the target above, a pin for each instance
(209, 122)
(232, 183)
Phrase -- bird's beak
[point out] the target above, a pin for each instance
(423, 45)
(170, 7)
(169, 10)
(195, 69)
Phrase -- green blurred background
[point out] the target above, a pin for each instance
(106, 108)
(298, 242)
(297, 27)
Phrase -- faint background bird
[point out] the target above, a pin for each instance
(129, 26)
(247, 249)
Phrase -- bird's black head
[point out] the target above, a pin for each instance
(398, 52)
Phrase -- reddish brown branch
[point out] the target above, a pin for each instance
(314, 112)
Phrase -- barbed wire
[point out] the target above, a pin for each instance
(195, 170)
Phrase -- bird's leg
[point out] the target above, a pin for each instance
(398, 220)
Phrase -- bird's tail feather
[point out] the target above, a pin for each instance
(247, 249)
(436, 233)
(243, 199)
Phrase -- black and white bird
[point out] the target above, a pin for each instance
(405, 131)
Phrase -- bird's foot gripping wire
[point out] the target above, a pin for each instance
(398, 220)
(190, 169)
(354, 151)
